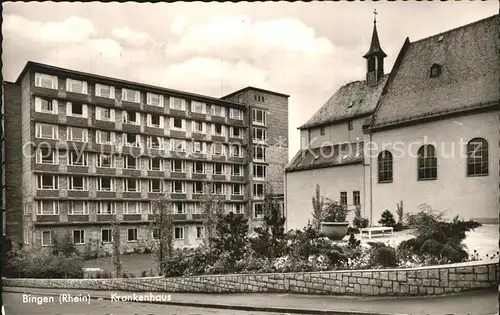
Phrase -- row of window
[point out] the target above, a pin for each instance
(81, 110)
(134, 96)
(78, 236)
(50, 131)
(356, 198)
(129, 207)
(81, 183)
(258, 210)
(51, 157)
(476, 161)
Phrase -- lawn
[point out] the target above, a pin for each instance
(483, 239)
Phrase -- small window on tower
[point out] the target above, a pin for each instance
(435, 70)
(322, 131)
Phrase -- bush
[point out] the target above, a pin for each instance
(43, 264)
(387, 219)
(436, 239)
(335, 212)
(353, 242)
(399, 227)
(360, 223)
(352, 230)
(384, 256)
(63, 244)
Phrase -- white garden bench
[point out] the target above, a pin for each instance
(379, 230)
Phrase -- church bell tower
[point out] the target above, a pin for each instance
(374, 57)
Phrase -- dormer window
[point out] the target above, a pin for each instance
(435, 70)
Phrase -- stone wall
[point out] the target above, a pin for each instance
(435, 280)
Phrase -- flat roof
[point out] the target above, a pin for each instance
(32, 64)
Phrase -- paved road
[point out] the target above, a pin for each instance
(473, 303)
(14, 306)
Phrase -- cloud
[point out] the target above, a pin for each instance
(238, 36)
(70, 30)
(131, 37)
(179, 25)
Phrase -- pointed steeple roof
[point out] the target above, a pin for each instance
(375, 44)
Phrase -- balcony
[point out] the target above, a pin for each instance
(219, 158)
(156, 173)
(239, 178)
(98, 100)
(178, 196)
(39, 91)
(179, 216)
(77, 121)
(45, 117)
(236, 122)
(132, 195)
(198, 116)
(196, 196)
(127, 105)
(78, 169)
(155, 109)
(78, 97)
(177, 133)
(132, 172)
(218, 138)
(198, 136)
(132, 217)
(219, 177)
(236, 159)
(237, 197)
(177, 112)
(106, 217)
(48, 218)
(131, 128)
(104, 124)
(154, 131)
(78, 193)
(106, 194)
(198, 176)
(78, 218)
(105, 171)
(47, 193)
(179, 175)
(54, 168)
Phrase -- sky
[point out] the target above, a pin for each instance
(305, 49)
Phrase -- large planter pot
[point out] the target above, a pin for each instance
(334, 230)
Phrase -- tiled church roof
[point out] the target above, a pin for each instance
(327, 156)
(351, 100)
(469, 56)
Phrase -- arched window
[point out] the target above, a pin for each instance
(427, 162)
(477, 157)
(385, 167)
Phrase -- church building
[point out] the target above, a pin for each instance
(425, 134)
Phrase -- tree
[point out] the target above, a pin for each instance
(387, 219)
(232, 238)
(117, 264)
(63, 244)
(271, 234)
(318, 203)
(212, 213)
(162, 229)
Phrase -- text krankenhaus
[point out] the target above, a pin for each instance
(115, 297)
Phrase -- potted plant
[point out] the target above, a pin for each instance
(334, 224)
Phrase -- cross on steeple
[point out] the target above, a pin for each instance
(375, 15)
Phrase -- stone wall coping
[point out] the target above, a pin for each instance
(436, 267)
